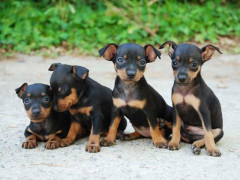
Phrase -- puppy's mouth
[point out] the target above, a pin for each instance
(182, 83)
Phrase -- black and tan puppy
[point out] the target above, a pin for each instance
(89, 102)
(196, 108)
(133, 97)
(46, 124)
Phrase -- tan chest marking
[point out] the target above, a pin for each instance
(190, 99)
(83, 110)
(118, 102)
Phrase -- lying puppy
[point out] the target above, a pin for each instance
(196, 107)
(89, 103)
(45, 124)
(133, 97)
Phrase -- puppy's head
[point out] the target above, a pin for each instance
(129, 59)
(36, 99)
(187, 60)
(67, 83)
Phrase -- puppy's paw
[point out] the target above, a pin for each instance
(54, 144)
(125, 137)
(173, 145)
(29, 144)
(196, 150)
(213, 152)
(105, 142)
(66, 142)
(161, 144)
(93, 148)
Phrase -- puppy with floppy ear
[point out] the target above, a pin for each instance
(133, 97)
(197, 111)
(45, 124)
(89, 103)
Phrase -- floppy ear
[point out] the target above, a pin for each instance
(53, 66)
(108, 51)
(20, 91)
(171, 49)
(208, 50)
(80, 72)
(151, 53)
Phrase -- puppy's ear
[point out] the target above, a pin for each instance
(80, 72)
(171, 49)
(108, 51)
(20, 91)
(53, 66)
(151, 53)
(208, 50)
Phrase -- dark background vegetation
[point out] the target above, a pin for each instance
(84, 26)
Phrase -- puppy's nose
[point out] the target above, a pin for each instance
(182, 77)
(36, 112)
(131, 74)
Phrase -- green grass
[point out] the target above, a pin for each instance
(89, 25)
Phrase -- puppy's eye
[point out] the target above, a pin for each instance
(174, 63)
(26, 101)
(120, 59)
(194, 64)
(45, 99)
(142, 62)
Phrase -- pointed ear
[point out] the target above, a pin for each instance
(171, 49)
(151, 53)
(80, 72)
(108, 51)
(53, 66)
(20, 91)
(208, 50)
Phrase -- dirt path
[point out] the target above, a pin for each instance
(137, 159)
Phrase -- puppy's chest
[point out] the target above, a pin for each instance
(129, 98)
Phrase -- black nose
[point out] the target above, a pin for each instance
(131, 74)
(36, 112)
(182, 77)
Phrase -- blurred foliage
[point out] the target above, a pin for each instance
(88, 25)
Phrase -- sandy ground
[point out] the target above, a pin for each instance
(137, 159)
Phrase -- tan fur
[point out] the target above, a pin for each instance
(177, 98)
(113, 130)
(207, 54)
(65, 103)
(82, 110)
(110, 51)
(123, 76)
(43, 94)
(157, 136)
(176, 135)
(118, 102)
(193, 74)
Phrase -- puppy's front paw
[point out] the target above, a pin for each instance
(213, 152)
(29, 144)
(173, 145)
(105, 142)
(161, 144)
(93, 148)
(66, 142)
(196, 150)
(125, 137)
(54, 144)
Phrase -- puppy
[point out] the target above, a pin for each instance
(89, 103)
(45, 124)
(196, 108)
(133, 97)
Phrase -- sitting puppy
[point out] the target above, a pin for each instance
(45, 124)
(196, 108)
(89, 103)
(133, 97)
